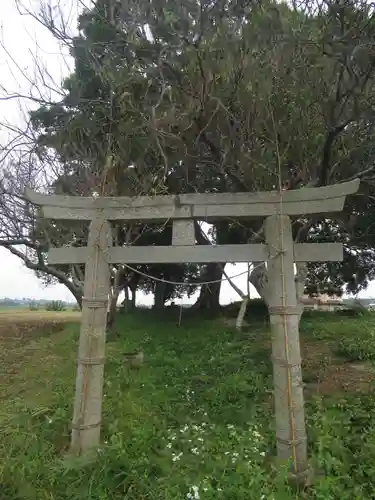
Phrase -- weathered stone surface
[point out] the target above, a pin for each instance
(91, 353)
(207, 206)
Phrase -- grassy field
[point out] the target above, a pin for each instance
(195, 422)
(24, 314)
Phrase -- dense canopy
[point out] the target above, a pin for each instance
(207, 96)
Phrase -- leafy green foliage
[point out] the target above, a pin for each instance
(359, 345)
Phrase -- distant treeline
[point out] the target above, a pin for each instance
(25, 302)
(363, 301)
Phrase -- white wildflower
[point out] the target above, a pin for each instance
(193, 493)
(176, 456)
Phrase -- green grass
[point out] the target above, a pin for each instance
(196, 417)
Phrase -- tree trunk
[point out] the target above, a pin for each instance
(77, 281)
(134, 296)
(114, 298)
(300, 281)
(259, 279)
(233, 285)
(77, 293)
(245, 301)
(126, 301)
(159, 295)
(209, 297)
(112, 308)
(241, 313)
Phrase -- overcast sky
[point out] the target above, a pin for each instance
(22, 39)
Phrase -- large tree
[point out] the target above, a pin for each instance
(201, 96)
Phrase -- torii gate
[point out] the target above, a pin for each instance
(279, 251)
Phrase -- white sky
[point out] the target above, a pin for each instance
(22, 38)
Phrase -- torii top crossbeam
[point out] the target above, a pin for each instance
(208, 206)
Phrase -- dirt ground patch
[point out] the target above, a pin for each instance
(26, 325)
(27, 331)
(326, 373)
(18, 354)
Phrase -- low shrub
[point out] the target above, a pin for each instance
(256, 310)
(56, 305)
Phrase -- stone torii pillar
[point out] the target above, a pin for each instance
(279, 251)
(91, 352)
(285, 313)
